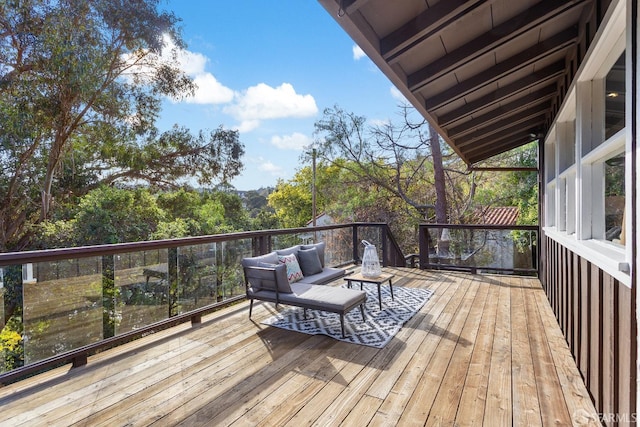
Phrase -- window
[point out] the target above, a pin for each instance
(615, 98)
(614, 199)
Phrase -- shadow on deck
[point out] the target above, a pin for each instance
(483, 349)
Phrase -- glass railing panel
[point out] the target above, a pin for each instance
(62, 306)
(282, 241)
(197, 277)
(338, 248)
(210, 273)
(141, 289)
(230, 267)
(486, 249)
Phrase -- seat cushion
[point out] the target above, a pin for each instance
(327, 275)
(270, 258)
(328, 298)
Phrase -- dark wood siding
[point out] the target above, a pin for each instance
(597, 316)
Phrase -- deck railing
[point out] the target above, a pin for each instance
(480, 248)
(60, 306)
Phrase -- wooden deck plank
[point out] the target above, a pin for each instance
(474, 394)
(576, 395)
(420, 403)
(552, 404)
(526, 407)
(477, 352)
(335, 366)
(164, 374)
(446, 404)
(498, 409)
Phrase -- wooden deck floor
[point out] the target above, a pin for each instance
(484, 350)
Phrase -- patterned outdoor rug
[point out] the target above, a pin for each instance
(379, 327)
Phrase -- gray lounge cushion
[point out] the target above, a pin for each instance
(324, 297)
(270, 258)
(261, 277)
(309, 261)
(319, 247)
(327, 275)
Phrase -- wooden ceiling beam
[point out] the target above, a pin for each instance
(534, 16)
(499, 149)
(350, 6)
(535, 79)
(542, 95)
(550, 46)
(507, 132)
(505, 123)
(423, 26)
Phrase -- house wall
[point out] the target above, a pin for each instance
(596, 313)
(591, 280)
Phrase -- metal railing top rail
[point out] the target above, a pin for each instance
(10, 258)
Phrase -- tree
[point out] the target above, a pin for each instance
(394, 157)
(81, 84)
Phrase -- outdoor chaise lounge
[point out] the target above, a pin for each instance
(267, 278)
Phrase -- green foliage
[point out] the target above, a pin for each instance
(112, 215)
(11, 348)
(81, 87)
(292, 201)
(515, 188)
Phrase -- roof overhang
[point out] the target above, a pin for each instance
(488, 75)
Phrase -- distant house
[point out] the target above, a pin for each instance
(501, 244)
(504, 215)
(322, 219)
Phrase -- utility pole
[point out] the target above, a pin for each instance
(313, 188)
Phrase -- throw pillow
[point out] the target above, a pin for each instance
(309, 261)
(319, 247)
(294, 273)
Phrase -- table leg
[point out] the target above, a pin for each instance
(380, 295)
(391, 288)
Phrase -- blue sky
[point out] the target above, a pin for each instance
(269, 69)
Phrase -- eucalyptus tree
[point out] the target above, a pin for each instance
(81, 87)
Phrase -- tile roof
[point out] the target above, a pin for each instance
(504, 215)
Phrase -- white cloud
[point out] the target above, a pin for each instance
(208, 89)
(263, 102)
(268, 167)
(358, 53)
(192, 63)
(295, 141)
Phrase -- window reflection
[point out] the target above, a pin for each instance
(614, 99)
(614, 199)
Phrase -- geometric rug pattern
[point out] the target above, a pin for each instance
(379, 326)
